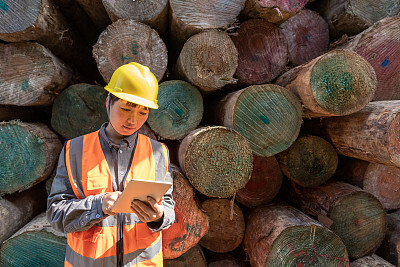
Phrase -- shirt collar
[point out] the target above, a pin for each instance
(126, 141)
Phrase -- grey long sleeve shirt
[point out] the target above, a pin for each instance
(66, 213)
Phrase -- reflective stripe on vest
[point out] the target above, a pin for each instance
(97, 246)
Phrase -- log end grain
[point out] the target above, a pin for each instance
(11, 19)
(180, 110)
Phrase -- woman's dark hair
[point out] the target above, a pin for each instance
(114, 99)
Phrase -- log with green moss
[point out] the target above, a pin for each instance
(216, 160)
(310, 161)
(356, 216)
(280, 235)
(180, 110)
(30, 75)
(79, 109)
(29, 154)
(35, 244)
(336, 83)
(267, 115)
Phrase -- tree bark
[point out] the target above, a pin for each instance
(263, 51)
(371, 261)
(279, 235)
(216, 160)
(336, 83)
(191, 223)
(193, 257)
(127, 41)
(29, 154)
(356, 216)
(97, 13)
(180, 110)
(208, 60)
(30, 75)
(390, 248)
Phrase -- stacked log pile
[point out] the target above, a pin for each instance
(282, 120)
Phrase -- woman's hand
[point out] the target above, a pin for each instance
(149, 211)
(108, 202)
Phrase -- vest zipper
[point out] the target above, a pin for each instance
(120, 241)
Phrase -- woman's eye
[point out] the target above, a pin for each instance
(143, 113)
(125, 109)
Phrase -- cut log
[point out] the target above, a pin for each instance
(30, 75)
(267, 115)
(191, 223)
(265, 182)
(380, 180)
(8, 112)
(272, 10)
(279, 235)
(380, 46)
(19, 208)
(372, 134)
(78, 110)
(180, 110)
(351, 17)
(36, 244)
(263, 51)
(216, 160)
(390, 248)
(224, 260)
(96, 11)
(371, 261)
(152, 13)
(193, 257)
(307, 35)
(309, 162)
(336, 83)
(127, 41)
(356, 216)
(41, 21)
(147, 131)
(226, 225)
(29, 154)
(189, 17)
(208, 60)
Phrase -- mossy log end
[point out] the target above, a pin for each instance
(390, 248)
(35, 244)
(29, 154)
(309, 162)
(192, 257)
(216, 160)
(356, 216)
(336, 83)
(208, 60)
(380, 46)
(307, 35)
(267, 115)
(30, 75)
(279, 235)
(226, 225)
(127, 41)
(264, 184)
(180, 110)
(191, 223)
(78, 110)
(263, 51)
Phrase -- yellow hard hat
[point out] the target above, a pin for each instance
(135, 83)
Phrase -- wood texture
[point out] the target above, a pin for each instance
(19, 169)
(193, 257)
(226, 225)
(279, 235)
(264, 184)
(380, 180)
(371, 261)
(180, 110)
(356, 216)
(380, 46)
(336, 83)
(309, 162)
(263, 51)
(216, 160)
(30, 75)
(97, 13)
(191, 223)
(267, 115)
(208, 60)
(390, 248)
(307, 35)
(127, 41)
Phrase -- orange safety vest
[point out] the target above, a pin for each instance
(89, 174)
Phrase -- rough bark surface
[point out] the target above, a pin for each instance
(97, 13)
(390, 248)
(371, 261)
(193, 257)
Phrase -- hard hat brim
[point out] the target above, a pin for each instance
(134, 99)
